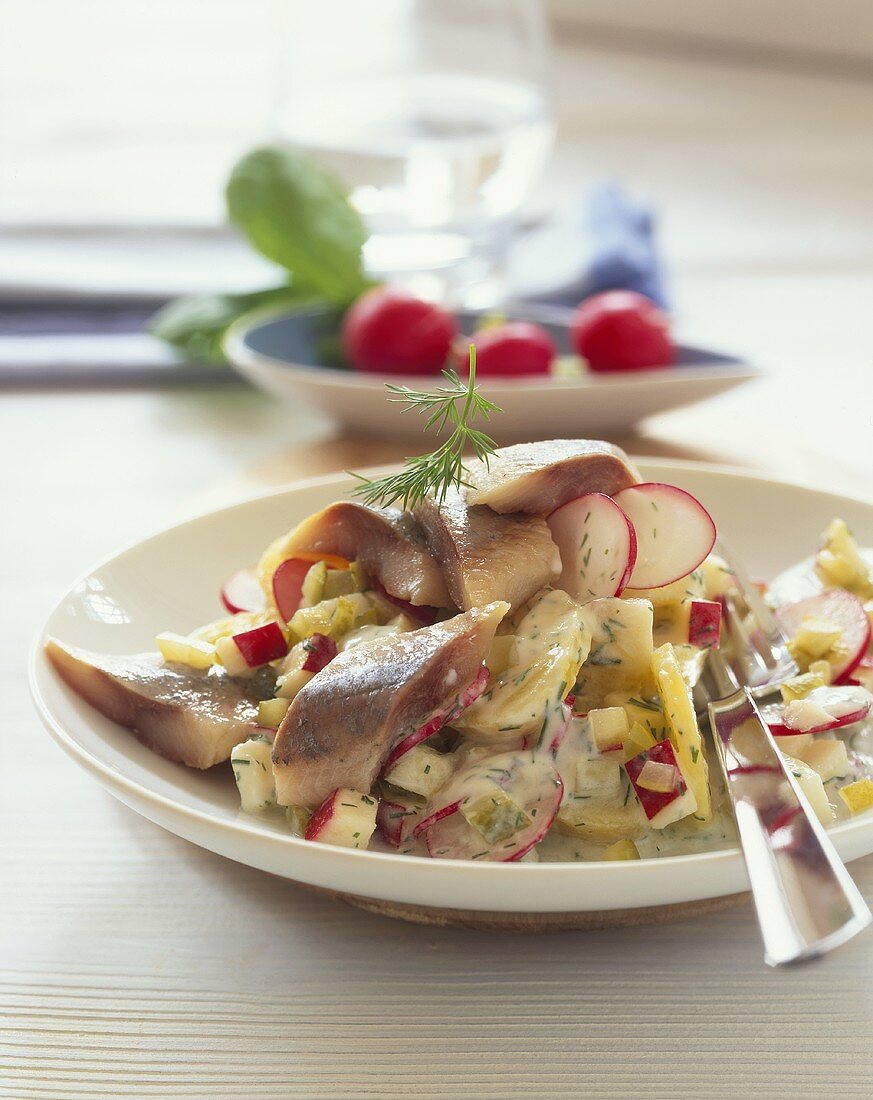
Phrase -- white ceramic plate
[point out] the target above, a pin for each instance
(280, 355)
(171, 580)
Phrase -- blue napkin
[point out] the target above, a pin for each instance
(605, 240)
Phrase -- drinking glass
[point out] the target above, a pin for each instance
(436, 116)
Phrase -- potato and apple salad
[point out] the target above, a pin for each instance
(503, 673)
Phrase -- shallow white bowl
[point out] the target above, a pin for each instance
(280, 354)
(171, 581)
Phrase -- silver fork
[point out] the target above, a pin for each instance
(805, 900)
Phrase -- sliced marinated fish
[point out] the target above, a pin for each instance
(486, 556)
(538, 477)
(192, 717)
(342, 725)
(388, 543)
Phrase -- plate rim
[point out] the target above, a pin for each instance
(725, 862)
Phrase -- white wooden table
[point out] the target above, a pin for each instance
(133, 964)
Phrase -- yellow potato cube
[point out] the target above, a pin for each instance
(798, 687)
(622, 849)
(828, 758)
(177, 649)
(813, 639)
(858, 796)
(272, 711)
(609, 727)
(422, 771)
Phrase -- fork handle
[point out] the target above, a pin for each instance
(805, 899)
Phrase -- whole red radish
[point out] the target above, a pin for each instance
(511, 350)
(389, 331)
(622, 330)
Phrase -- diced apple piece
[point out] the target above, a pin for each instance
(609, 728)
(346, 818)
(798, 687)
(601, 819)
(320, 651)
(494, 815)
(272, 711)
(422, 771)
(704, 624)
(396, 817)
(253, 771)
(229, 655)
(858, 796)
(177, 649)
(657, 777)
(682, 729)
(292, 682)
(259, 646)
(622, 849)
(597, 777)
(812, 785)
(297, 818)
(825, 708)
(828, 758)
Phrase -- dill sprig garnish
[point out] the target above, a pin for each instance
(458, 404)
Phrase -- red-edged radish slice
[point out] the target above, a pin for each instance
(431, 817)
(288, 585)
(674, 532)
(598, 546)
(320, 651)
(844, 611)
(528, 783)
(346, 817)
(461, 701)
(241, 592)
(825, 708)
(704, 624)
(263, 644)
(861, 674)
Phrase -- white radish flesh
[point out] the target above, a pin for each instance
(674, 532)
(598, 546)
(825, 708)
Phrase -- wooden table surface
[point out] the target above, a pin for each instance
(133, 964)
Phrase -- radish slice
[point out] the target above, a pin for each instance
(825, 708)
(674, 532)
(598, 546)
(530, 782)
(241, 592)
(847, 614)
(461, 701)
(420, 614)
(288, 586)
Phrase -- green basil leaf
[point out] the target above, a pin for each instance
(298, 215)
(196, 325)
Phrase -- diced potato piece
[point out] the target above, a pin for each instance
(252, 765)
(798, 687)
(292, 682)
(794, 744)
(312, 589)
(838, 562)
(717, 578)
(601, 778)
(690, 587)
(622, 849)
(639, 739)
(641, 712)
(495, 816)
(422, 771)
(828, 758)
(858, 796)
(621, 651)
(810, 782)
(297, 818)
(176, 648)
(603, 820)
(272, 711)
(609, 728)
(682, 729)
(232, 624)
(823, 670)
(551, 644)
